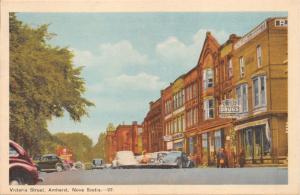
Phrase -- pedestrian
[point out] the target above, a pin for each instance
(242, 158)
(221, 158)
(226, 159)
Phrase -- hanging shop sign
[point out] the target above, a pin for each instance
(167, 138)
(229, 108)
(169, 145)
(178, 136)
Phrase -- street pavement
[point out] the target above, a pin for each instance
(195, 176)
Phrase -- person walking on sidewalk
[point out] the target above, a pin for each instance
(242, 158)
(221, 158)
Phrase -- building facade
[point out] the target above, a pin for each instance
(153, 129)
(260, 81)
(173, 111)
(248, 76)
(124, 137)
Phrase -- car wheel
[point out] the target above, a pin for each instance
(59, 168)
(16, 181)
(20, 179)
(179, 164)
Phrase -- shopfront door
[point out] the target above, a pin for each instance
(256, 143)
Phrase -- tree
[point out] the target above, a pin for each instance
(99, 148)
(43, 82)
(80, 145)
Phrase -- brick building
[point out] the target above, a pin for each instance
(152, 128)
(173, 111)
(124, 137)
(250, 71)
(192, 87)
(260, 81)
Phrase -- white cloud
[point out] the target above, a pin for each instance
(141, 81)
(176, 52)
(121, 54)
(111, 58)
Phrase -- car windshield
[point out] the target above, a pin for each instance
(172, 156)
(97, 161)
(12, 152)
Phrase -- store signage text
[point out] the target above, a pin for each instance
(229, 108)
(250, 35)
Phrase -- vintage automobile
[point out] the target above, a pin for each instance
(176, 159)
(98, 164)
(51, 162)
(22, 170)
(125, 159)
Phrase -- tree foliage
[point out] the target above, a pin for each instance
(43, 84)
(99, 148)
(78, 143)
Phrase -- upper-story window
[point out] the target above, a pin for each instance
(192, 117)
(178, 99)
(229, 68)
(259, 91)
(281, 22)
(209, 109)
(168, 106)
(208, 78)
(242, 97)
(258, 56)
(242, 67)
(191, 91)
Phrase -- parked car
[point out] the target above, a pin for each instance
(22, 169)
(78, 165)
(51, 162)
(176, 159)
(125, 159)
(98, 164)
(157, 157)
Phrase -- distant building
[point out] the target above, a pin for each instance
(153, 129)
(124, 137)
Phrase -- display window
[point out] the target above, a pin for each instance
(256, 142)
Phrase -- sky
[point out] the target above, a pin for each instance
(129, 58)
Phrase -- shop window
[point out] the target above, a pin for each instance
(242, 67)
(191, 145)
(218, 140)
(209, 109)
(205, 148)
(248, 143)
(208, 78)
(258, 56)
(259, 91)
(242, 97)
(256, 142)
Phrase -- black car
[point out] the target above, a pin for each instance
(51, 162)
(98, 164)
(176, 159)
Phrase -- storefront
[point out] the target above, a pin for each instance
(178, 141)
(211, 143)
(255, 140)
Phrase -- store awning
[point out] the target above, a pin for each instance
(251, 124)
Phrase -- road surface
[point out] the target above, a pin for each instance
(195, 176)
